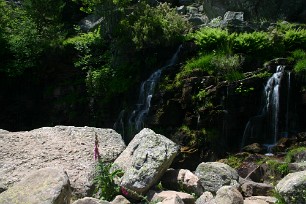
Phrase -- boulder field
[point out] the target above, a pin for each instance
(55, 165)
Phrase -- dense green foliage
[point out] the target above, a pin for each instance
(20, 38)
(154, 26)
(227, 55)
(104, 181)
(113, 65)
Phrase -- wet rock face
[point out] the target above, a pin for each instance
(269, 9)
(70, 148)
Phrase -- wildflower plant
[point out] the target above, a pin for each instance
(105, 185)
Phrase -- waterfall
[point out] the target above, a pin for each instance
(272, 90)
(138, 115)
(266, 124)
(144, 101)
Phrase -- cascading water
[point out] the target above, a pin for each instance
(272, 90)
(145, 95)
(142, 107)
(144, 101)
(266, 124)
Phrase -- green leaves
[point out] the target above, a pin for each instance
(154, 26)
(104, 181)
(252, 43)
(209, 39)
(21, 38)
(295, 38)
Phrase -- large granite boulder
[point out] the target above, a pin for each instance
(155, 196)
(182, 179)
(296, 167)
(45, 186)
(260, 200)
(66, 146)
(206, 198)
(89, 200)
(214, 175)
(292, 187)
(172, 200)
(145, 160)
(119, 199)
(251, 188)
(228, 195)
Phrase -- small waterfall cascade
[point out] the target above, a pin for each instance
(144, 100)
(137, 117)
(267, 126)
(145, 95)
(272, 95)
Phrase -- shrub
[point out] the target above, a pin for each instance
(298, 54)
(293, 152)
(200, 96)
(234, 161)
(209, 39)
(277, 167)
(20, 37)
(105, 185)
(227, 66)
(279, 198)
(154, 26)
(253, 43)
(234, 76)
(295, 38)
(203, 63)
(300, 66)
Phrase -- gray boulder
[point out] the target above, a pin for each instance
(228, 195)
(120, 200)
(89, 200)
(145, 160)
(71, 148)
(268, 9)
(3, 131)
(214, 175)
(233, 16)
(182, 179)
(154, 196)
(296, 167)
(250, 188)
(45, 186)
(173, 200)
(292, 187)
(206, 198)
(260, 200)
(299, 157)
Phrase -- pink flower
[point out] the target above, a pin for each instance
(124, 191)
(96, 150)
